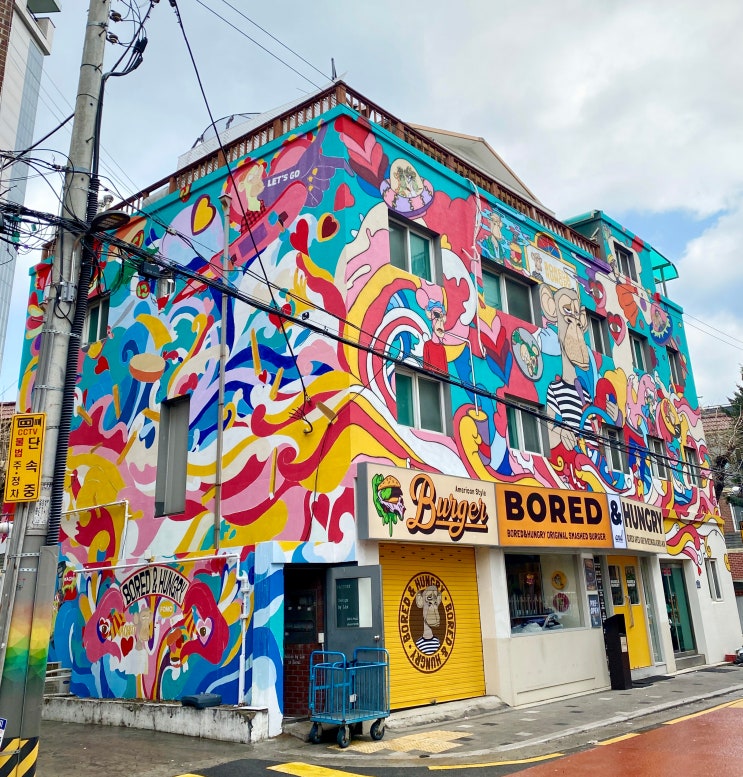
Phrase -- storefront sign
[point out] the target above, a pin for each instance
(411, 505)
(636, 525)
(543, 517)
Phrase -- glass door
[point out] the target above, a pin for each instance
(677, 606)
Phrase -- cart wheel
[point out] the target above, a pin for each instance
(344, 736)
(315, 734)
(376, 732)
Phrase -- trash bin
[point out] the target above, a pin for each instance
(617, 653)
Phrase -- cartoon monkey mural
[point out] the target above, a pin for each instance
(429, 600)
(577, 393)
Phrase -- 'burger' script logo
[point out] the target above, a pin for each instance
(427, 622)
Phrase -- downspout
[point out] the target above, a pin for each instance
(226, 201)
(245, 591)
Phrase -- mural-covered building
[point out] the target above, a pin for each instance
(427, 415)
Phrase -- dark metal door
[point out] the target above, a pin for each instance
(354, 608)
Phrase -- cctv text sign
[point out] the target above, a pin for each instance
(25, 453)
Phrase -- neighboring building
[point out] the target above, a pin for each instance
(25, 39)
(452, 425)
(718, 426)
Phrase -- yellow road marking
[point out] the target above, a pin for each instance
(618, 739)
(703, 712)
(299, 769)
(533, 760)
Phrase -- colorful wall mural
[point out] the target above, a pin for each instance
(149, 606)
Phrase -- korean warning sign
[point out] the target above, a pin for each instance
(24, 457)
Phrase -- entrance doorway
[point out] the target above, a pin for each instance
(336, 608)
(626, 598)
(677, 606)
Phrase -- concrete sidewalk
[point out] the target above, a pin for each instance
(476, 730)
(481, 732)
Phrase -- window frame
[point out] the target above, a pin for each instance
(172, 456)
(625, 262)
(415, 381)
(515, 415)
(658, 462)
(94, 307)
(638, 341)
(504, 281)
(674, 366)
(615, 450)
(596, 322)
(411, 228)
(713, 579)
(736, 515)
(692, 465)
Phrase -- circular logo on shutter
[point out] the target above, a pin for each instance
(427, 622)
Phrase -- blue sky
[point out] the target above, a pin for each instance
(633, 108)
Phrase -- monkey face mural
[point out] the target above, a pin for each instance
(427, 622)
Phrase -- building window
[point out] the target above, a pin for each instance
(736, 514)
(543, 593)
(598, 333)
(172, 456)
(658, 460)
(674, 363)
(616, 453)
(625, 262)
(638, 345)
(412, 250)
(713, 579)
(96, 320)
(526, 431)
(691, 465)
(420, 401)
(508, 294)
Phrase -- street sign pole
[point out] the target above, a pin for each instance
(27, 595)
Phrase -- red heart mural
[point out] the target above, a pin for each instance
(327, 227)
(299, 238)
(343, 197)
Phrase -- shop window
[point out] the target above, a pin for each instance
(412, 249)
(598, 333)
(615, 585)
(658, 458)
(625, 262)
(526, 430)
(543, 593)
(713, 579)
(508, 294)
(420, 401)
(638, 345)
(172, 456)
(96, 320)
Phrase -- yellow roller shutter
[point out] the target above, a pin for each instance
(431, 623)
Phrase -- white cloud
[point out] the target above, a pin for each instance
(631, 106)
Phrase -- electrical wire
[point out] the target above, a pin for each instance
(174, 5)
(252, 40)
(266, 32)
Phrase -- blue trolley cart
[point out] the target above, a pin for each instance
(343, 692)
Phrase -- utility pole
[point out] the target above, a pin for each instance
(27, 596)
